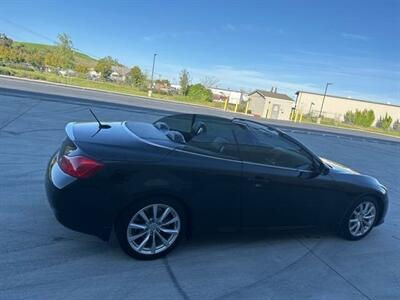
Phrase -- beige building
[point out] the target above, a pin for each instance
(335, 107)
(271, 105)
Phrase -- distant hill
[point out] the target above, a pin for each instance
(81, 58)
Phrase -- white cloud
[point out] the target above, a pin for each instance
(236, 78)
(251, 29)
(352, 36)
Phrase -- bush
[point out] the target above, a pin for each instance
(349, 117)
(363, 118)
(385, 122)
(200, 92)
(396, 125)
(7, 72)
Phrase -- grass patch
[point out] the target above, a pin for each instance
(334, 123)
(101, 85)
(81, 58)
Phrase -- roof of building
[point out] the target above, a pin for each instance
(272, 95)
(346, 98)
(225, 90)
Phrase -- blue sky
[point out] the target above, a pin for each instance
(294, 45)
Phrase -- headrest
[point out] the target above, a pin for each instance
(199, 127)
(176, 137)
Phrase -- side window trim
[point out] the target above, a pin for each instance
(276, 167)
(284, 137)
(206, 155)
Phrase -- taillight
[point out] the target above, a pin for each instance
(79, 166)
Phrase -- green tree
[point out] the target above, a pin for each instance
(384, 122)
(137, 77)
(53, 59)
(36, 58)
(200, 92)
(81, 69)
(363, 118)
(5, 53)
(104, 66)
(349, 117)
(184, 81)
(65, 51)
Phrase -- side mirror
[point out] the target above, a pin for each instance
(324, 170)
(320, 169)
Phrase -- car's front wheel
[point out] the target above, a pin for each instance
(151, 229)
(360, 219)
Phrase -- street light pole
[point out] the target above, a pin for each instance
(323, 101)
(152, 75)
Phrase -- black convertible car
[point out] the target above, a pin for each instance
(153, 183)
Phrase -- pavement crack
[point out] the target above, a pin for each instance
(18, 116)
(269, 277)
(395, 237)
(175, 280)
(31, 130)
(311, 251)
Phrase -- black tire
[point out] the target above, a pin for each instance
(122, 224)
(344, 230)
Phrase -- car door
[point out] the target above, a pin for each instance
(279, 185)
(207, 170)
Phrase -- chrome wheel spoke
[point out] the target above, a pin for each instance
(144, 216)
(165, 213)
(144, 242)
(370, 210)
(136, 236)
(173, 220)
(357, 228)
(170, 231)
(163, 240)
(352, 227)
(361, 228)
(137, 226)
(153, 243)
(155, 208)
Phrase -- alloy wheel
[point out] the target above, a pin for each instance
(362, 218)
(153, 229)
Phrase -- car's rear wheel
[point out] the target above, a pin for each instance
(360, 219)
(151, 229)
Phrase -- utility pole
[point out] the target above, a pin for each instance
(152, 74)
(323, 100)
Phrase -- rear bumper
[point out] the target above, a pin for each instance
(75, 204)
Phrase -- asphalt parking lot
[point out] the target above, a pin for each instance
(40, 259)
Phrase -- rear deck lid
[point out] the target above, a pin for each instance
(118, 142)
